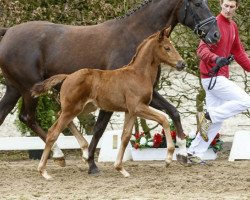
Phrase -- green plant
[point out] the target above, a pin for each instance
(46, 114)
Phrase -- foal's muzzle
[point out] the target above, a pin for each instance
(180, 65)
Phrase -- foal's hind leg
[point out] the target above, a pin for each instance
(27, 116)
(126, 135)
(146, 112)
(80, 139)
(53, 133)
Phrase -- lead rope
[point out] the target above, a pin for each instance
(214, 72)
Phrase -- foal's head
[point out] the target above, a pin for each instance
(165, 52)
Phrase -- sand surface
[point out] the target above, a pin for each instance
(20, 180)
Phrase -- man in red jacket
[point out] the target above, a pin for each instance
(224, 98)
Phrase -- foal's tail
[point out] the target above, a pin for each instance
(44, 86)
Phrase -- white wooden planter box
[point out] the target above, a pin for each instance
(160, 154)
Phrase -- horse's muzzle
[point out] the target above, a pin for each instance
(181, 65)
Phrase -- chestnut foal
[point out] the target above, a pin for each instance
(128, 89)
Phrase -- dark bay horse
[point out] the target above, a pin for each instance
(33, 51)
(106, 90)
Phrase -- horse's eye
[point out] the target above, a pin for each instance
(167, 48)
(198, 4)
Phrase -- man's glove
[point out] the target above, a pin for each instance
(222, 61)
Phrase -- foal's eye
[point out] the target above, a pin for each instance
(167, 48)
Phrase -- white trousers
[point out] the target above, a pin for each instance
(225, 100)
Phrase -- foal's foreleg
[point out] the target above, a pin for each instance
(126, 134)
(146, 112)
(159, 103)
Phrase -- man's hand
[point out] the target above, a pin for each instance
(222, 61)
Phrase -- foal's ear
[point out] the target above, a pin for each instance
(164, 33)
(168, 31)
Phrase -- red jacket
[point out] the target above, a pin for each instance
(228, 44)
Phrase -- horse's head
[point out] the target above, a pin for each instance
(196, 15)
(166, 52)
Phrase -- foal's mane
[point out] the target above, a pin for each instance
(130, 12)
(141, 45)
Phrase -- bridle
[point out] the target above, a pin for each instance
(198, 23)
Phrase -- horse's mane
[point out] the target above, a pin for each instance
(140, 47)
(130, 12)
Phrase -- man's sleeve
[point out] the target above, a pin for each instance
(205, 54)
(239, 52)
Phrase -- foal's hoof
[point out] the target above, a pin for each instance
(60, 161)
(167, 163)
(124, 173)
(183, 160)
(46, 175)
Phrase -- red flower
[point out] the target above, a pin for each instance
(137, 135)
(213, 142)
(173, 134)
(157, 140)
(142, 134)
(136, 145)
(217, 136)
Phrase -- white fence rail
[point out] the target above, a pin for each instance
(33, 143)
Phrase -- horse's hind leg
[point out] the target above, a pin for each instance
(99, 128)
(126, 135)
(8, 101)
(27, 116)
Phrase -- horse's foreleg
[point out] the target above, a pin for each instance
(99, 128)
(8, 101)
(160, 103)
(80, 139)
(126, 135)
(27, 116)
(146, 112)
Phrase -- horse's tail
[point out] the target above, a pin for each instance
(44, 86)
(3, 31)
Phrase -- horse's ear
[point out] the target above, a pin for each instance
(167, 31)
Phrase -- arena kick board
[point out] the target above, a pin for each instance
(241, 146)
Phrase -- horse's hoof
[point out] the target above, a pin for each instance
(183, 160)
(94, 171)
(60, 161)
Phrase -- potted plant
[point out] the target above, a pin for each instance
(154, 148)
